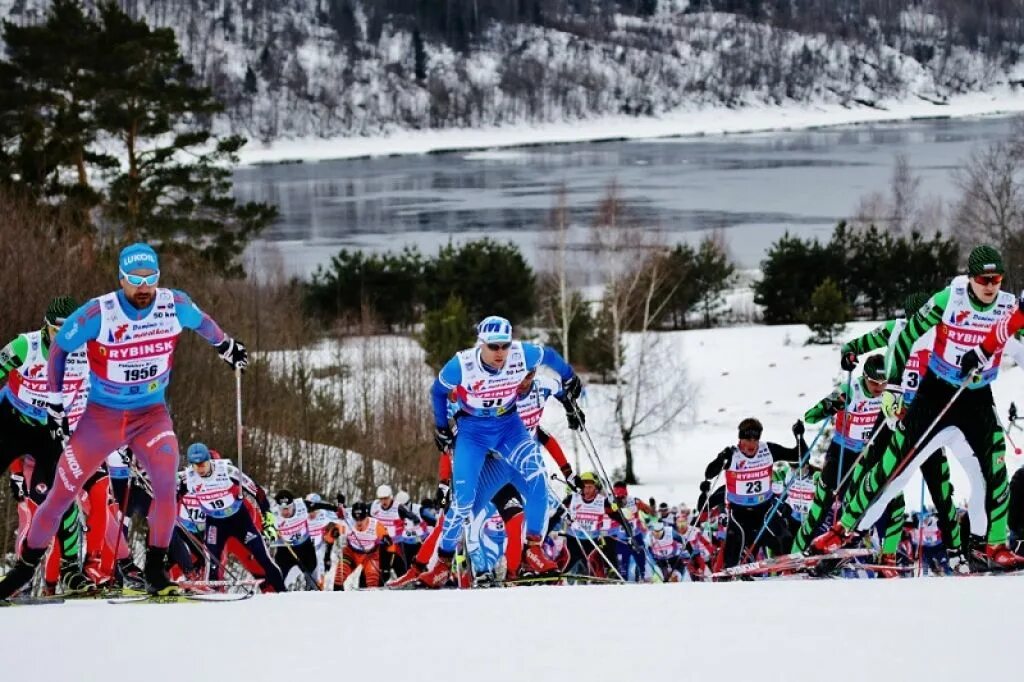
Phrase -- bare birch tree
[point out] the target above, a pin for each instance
(650, 389)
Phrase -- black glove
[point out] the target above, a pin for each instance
(340, 499)
(1013, 412)
(443, 437)
(833, 404)
(573, 387)
(574, 416)
(443, 496)
(798, 429)
(57, 423)
(972, 360)
(705, 486)
(18, 487)
(848, 361)
(234, 353)
(385, 541)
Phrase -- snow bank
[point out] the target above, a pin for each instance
(923, 629)
(718, 120)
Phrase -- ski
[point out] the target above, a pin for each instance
(31, 601)
(180, 598)
(789, 562)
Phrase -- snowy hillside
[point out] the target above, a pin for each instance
(319, 69)
(934, 629)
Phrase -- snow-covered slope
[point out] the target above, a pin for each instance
(933, 629)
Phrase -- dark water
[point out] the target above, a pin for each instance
(754, 187)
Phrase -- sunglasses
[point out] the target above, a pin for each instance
(499, 346)
(139, 280)
(750, 434)
(987, 280)
(56, 324)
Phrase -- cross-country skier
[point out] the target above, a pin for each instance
(131, 335)
(365, 537)
(748, 490)
(393, 517)
(487, 381)
(935, 468)
(589, 512)
(626, 530)
(296, 549)
(855, 410)
(963, 314)
(23, 425)
(219, 487)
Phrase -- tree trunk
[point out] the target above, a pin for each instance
(627, 446)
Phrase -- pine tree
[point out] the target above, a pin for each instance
(174, 186)
(446, 331)
(828, 312)
(712, 272)
(47, 88)
(419, 56)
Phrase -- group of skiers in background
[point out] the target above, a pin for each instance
(85, 432)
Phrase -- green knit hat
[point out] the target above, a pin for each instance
(984, 260)
(874, 368)
(59, 310)
(914, 302)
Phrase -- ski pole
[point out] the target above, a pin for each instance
(842, 442)
(1006, 432)
(863, 451)
(238, 415)
(785, 490)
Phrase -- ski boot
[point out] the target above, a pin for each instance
(21, 574)
(887, 560)
(1000, 558)
(73, 582)
(408, 578)
(439, 575)
(831, 541)
(958, 563)
(130, 576)
(157, 582)
(535, 562)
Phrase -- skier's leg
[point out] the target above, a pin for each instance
(152, 439)
(823, 498)
(935, 471)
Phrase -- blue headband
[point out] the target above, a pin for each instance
(138, 257)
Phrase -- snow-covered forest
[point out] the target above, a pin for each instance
(299, 68)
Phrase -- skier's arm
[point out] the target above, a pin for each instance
(404, 513)
(535, 355)
(557, 516)
(926, 318)
(873, 340)
(828, 406)
(12, 355)
(555, 450)
(780, 453)
(447, 379)
(82, 326)
(1001, 332)
(717, 464)
(191, 317)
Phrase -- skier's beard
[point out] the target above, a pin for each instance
(141, 299)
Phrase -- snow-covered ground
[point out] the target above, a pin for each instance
(707, 120)
(933, 629)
